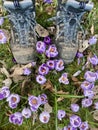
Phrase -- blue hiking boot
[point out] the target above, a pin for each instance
(68, 19)
(23, 36)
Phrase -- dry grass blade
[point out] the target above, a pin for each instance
(35, 117)
(95, 115)
(77, 73)
(85, 45)
(96, 92)
(5, 72)
(18, 70)
(18, 78)
(42, 32)
(62, 93)
(47, 108)
(8, 113)
(74, 79)
(3, 63)
(48, 85)
(52, 30)
(49, 10)
(7, 82)
(92, 29)
(1, 10)
(60, 99)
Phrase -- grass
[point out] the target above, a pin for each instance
(72, 91)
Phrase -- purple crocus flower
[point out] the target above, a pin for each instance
(13, 100)
(34, 102)
(79, 55)
(61, 114)
(63, 79)
(75, 121)
(26, 71)
(84, 126)
(3, 38)
(43, 98)
(1, 96)
(65, 128)
(59, 65)
(89, 93)
(48, 1)
(33, 109)
(47, 40)
(94, 60)
(26, 112)
(44, 117)
(96, 74)
(71, 128)
(40, 47)
(51, 64)
(33, 63)
(1, 21)
(96, 105)
(92, 40)
(12, 105)
(16, 118)
(4, 92)
(90, 76)
(52, 51)
(43, 69)
(40, 79)
(86, 102)
(14, 60)
(75, 107)
(87, 85)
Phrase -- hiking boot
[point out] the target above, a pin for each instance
(68, 19)
(23, 36)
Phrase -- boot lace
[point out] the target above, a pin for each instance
(71, 21)
(22, 21)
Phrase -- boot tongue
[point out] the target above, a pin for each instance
(22, 4)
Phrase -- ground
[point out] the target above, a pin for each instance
(60, 96)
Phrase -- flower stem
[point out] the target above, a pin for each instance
(93, 123)
(69, 96)
(56, 121)
(56, 3)
(24, 97)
